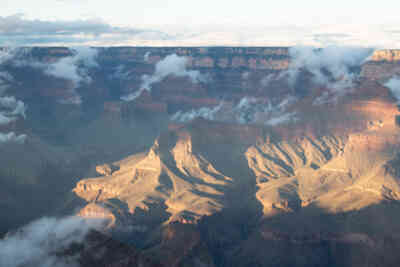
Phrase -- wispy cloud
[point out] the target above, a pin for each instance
(74, 68)
(252, 110)
(333, 68)
(394, 85)
(171, 65)
(12, 137)
(249, 110)
(204, 112)
(330, 66)
(38, 243)
(11, 109)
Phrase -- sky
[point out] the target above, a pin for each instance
(206, 22)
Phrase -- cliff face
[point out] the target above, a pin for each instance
(382, 65)
(198, 57)
(210, 57)
(201, 57)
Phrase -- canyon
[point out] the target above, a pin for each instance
(209, 156)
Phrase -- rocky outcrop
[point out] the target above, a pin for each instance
(189, 172)
(389, 55)
(171, 174)
(106, 169)
(98, 211)
(382, 65)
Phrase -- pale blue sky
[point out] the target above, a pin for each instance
(208, 16)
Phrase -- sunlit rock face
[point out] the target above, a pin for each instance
(181, 170)
(386, 55)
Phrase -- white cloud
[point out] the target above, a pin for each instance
(5, 81)
(6, 77)
(75, 69)
(5, 120)
(281, 119)
(249, 110)
(68, 67)
(146, 56)
(11, 109)
(11, 137)
(171, 65)
(37, 243)
(252, 110)
(394, 85)
(5, 55)
(204, 112)
(15, 107)
(336, 61)
(119, 73)
(331, 67)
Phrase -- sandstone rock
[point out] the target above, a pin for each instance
(106, 169)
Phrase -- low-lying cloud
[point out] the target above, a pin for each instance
(68, 67)
(333, 68)
(5, 81)
(73, 68)
(11, 109)
(146, 57)
(38, 243)
(394, 85)
(207, 113)
(171, 65)
(5, 55)
(249, 110)
(119, 73)
(12, 137)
